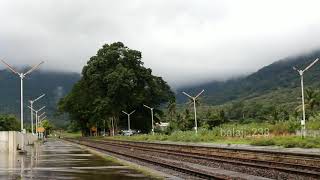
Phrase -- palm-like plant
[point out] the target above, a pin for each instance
(312, 97)
(312, 100)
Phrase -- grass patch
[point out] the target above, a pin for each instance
(258, 134)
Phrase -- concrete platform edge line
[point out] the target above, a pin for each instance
(153, 172)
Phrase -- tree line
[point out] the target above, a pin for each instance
(181, 117)
(115, 80)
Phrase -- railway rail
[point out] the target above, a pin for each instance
(291, 164)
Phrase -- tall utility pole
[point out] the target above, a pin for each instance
(194, 107)
(37, 118)
(128, 114)
(151, 109)
(104, 127)
(301, 72)
(31, 105)
(22, 76)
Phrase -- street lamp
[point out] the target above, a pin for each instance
(128, 114)
(37, 118)
(40, 117)
(22, 76)
(31, 105)
(151, 117)
(194, 107)
(43, 118)
(301, 72)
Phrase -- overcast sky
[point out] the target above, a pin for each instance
(182, 41)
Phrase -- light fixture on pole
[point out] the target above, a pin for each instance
(31, 105)
(128, 114)
(36, 111)
(301, 72)
(44, 117)
(151, 109)
(39, 117)
(194, 107)
(22, 76)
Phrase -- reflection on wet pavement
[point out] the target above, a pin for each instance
(59, 160)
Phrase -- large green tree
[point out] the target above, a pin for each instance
(114, 80)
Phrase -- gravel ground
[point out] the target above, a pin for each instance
(244, 169)
(176, 175)
(187, 161)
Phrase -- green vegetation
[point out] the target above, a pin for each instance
(261, 109)
(48, 126)
(259, 134)
(269, 95)
(272, 78)
(9, 123)
(115, 80)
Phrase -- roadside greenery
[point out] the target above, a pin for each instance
(9, 123)
(48, 126)
(260, 134)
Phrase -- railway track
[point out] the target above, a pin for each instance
(190, 171)
(292, 164)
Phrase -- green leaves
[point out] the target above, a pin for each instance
(9, 123)
(115, 80)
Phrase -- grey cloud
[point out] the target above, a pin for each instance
(184, 41)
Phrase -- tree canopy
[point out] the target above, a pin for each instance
(9, 123)
(114, 80)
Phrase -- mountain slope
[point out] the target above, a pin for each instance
(54, 84)
(276, 76)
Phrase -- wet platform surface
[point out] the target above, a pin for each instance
(59, 160)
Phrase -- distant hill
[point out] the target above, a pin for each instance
(54, 84)
(276, 83)
(273, 79)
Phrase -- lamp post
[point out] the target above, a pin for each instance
(43, 118)
(128, 114)
(31, 105)
(40, 119)
(301, 72)
(22, 76)
(151, 109)
(37, 118)
(194, 107)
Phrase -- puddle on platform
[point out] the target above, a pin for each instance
(59, 160)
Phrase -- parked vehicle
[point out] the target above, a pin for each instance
(129, 132)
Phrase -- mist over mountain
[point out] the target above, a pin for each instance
(278, 75)
(271, 78)
(54, 84)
